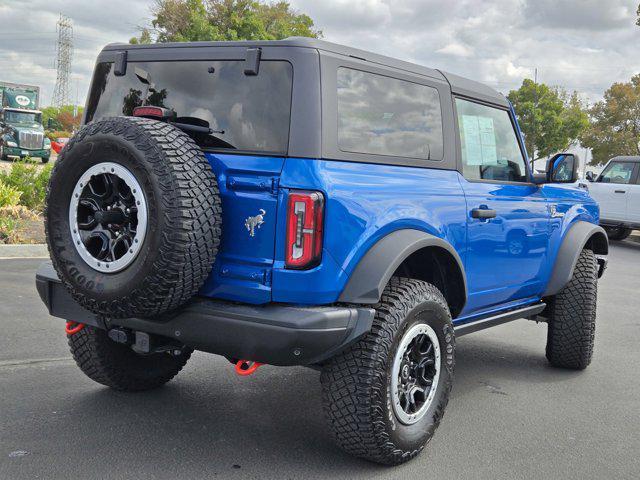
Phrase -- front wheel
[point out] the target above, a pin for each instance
(384, 397)
(118, 366)
(572, 317)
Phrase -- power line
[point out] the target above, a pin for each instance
(63, 61)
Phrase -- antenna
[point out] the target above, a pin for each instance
(64, 48)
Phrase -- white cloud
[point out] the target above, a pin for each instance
(456, 50)
(584, 45)
(28, 38)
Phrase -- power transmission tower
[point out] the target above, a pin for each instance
(64, 49)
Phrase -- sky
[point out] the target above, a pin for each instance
(582, 45)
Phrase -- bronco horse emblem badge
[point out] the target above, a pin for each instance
(252, 223)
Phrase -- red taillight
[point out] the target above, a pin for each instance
(153, 112)
(304, 229)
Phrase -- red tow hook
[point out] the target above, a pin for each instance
(247, 367)
(73, 327)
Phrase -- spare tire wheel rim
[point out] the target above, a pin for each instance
(108, 217)
(415, 373)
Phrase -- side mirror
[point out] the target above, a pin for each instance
(563, 168)
(590, 176)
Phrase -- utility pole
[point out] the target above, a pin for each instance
(533, 120)
(64, 56)
(75, 104)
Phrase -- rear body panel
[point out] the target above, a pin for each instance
(248, 187)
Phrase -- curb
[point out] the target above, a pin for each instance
(24, 251)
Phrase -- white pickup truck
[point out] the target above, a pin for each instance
(617, 190)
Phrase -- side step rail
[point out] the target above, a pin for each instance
(487, 322)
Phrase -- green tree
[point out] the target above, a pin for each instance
(62, 118)
(615, 122)
(144, 38)
(196, 20)
(550, 118)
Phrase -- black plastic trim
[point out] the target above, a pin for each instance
(574, 241)
(374, 270)
(253, 61)
(275, 333)
(120, 64)
(494, 320)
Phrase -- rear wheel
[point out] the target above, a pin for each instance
(572, 317)
(384, 397)
(617, 233)
(2, 155)
(118, 366)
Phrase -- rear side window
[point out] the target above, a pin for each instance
(380, 115)
(247, 113)
(490, 149)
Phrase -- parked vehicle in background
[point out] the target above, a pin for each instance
(21, 130)
(58, 144)
(617, 190)
(298, 202)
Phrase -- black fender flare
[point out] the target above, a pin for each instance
(375, 269)
(574, 241)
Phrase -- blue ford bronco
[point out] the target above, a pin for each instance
(298, 202)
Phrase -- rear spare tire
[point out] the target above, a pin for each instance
(133, 217)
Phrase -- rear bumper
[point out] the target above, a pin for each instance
(276, 334)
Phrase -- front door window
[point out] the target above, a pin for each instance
(490, 149)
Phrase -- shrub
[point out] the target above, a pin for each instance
(30, 180)
(8, 230)
(18, 224)
(9, 196)
(54, 135)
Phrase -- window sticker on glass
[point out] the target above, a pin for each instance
(479, 140)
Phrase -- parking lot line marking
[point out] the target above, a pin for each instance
(33, 361)
(24, 258)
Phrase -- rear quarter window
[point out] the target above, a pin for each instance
(380, 115)
(246, 113)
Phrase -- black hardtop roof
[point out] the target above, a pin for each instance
(459, 85)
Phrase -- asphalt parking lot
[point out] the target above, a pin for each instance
(510, 416)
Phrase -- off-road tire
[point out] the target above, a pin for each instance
(356, 384)
(184, 217)
(117, 366)
(44, 159)
(618, 233)
(572, 317)
(2, 155)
